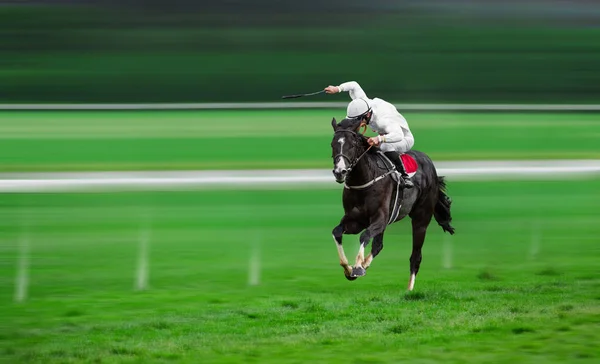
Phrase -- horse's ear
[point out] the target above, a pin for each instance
(334, 123)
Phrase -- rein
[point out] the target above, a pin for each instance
(358, 159)
(370, 183)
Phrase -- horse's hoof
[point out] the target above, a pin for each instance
(350, 278)
(358, 271)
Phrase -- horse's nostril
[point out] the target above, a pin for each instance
(344, 171)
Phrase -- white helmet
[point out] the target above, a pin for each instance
(357, 108)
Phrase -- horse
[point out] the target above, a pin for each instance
(374, 197)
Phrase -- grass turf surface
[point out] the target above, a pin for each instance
(518, 283)
(136, 140)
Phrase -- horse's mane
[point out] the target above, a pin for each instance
(349, 124)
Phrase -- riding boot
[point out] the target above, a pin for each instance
(395, 158)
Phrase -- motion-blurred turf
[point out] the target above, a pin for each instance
(251, 139)
(518, 283)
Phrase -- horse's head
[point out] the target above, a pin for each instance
(347, 147)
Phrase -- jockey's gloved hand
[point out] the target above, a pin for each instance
(332, 89)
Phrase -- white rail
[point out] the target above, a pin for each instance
(176, 180)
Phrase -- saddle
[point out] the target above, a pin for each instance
(410, 165)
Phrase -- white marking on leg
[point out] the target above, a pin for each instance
(368, 261)
(254, 267)
(411, 282)
(536, 239)
(342, 256)
(340, 250)
(447, 256)
(22, 278)
(361, 256)
(142, 266)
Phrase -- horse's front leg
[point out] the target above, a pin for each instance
(378, 224)
(350, 227)
(376, 247)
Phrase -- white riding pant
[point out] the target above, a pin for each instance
(402, 146)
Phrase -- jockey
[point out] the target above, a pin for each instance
(384, 119)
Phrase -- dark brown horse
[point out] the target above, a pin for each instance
(373, 199)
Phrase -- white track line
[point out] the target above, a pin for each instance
(22, 277)
(158, 180)
(447, 252)
(254, 266)
(142, 266)
(536, 239)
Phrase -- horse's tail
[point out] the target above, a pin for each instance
(441, 211)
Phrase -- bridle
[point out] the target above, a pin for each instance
(353, 164)
(350, 163)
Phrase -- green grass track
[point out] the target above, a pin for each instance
(518, 283)
(251, 139)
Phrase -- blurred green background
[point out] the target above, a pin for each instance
(282, 139)
(403, 51)
(252, 275)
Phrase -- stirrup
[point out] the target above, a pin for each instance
(407, 182)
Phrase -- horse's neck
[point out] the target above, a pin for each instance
(364, 171)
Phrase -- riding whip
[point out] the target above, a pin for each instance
(301, 95)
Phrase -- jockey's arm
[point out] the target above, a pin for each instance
(393, 132)
(352, 87)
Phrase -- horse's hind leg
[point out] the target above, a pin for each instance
(419, 229)
(349, 227)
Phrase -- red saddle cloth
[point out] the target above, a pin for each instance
(410, 164)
